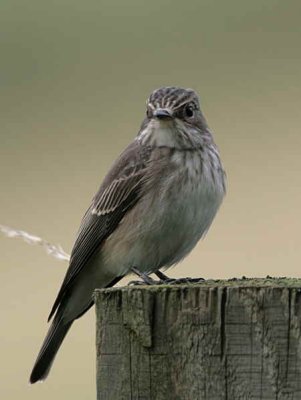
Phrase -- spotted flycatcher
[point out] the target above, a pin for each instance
(156, 202)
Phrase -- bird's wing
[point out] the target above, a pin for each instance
(118, 193)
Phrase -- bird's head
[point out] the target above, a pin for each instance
(173, 116)
(172, 102)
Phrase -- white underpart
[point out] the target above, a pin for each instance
(162, 133)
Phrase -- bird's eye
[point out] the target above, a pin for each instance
(189, 111)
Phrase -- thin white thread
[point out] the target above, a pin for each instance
(55, 251)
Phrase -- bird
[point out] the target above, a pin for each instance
(157, 201)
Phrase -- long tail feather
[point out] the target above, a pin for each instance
(50, 347)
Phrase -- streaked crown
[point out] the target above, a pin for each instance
(172, 98)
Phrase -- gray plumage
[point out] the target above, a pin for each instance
(157, 201)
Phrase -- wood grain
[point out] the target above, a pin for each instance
(212, 341)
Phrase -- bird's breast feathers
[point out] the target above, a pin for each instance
(167, 222)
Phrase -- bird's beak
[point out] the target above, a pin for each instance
(162, 113)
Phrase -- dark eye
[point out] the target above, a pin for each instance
(189, 111)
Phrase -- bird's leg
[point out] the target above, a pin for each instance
(164, 279)
(146, 280)
(173, 281)
(162, 276)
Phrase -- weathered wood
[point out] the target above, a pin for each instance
(211, 341)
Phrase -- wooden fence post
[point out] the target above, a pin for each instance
(211, 341)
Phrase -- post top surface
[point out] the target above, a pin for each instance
(267, 282)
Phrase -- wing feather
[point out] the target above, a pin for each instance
(119, 192)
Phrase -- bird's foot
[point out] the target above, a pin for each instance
(163, 279)
(180, 281)
(145, 279)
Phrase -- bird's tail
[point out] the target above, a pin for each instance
(50, 347)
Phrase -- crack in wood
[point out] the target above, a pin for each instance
(199, 342)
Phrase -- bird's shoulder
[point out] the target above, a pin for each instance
(124, 176)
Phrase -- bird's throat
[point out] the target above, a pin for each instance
(160, 133)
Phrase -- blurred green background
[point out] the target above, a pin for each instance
(74, 78)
